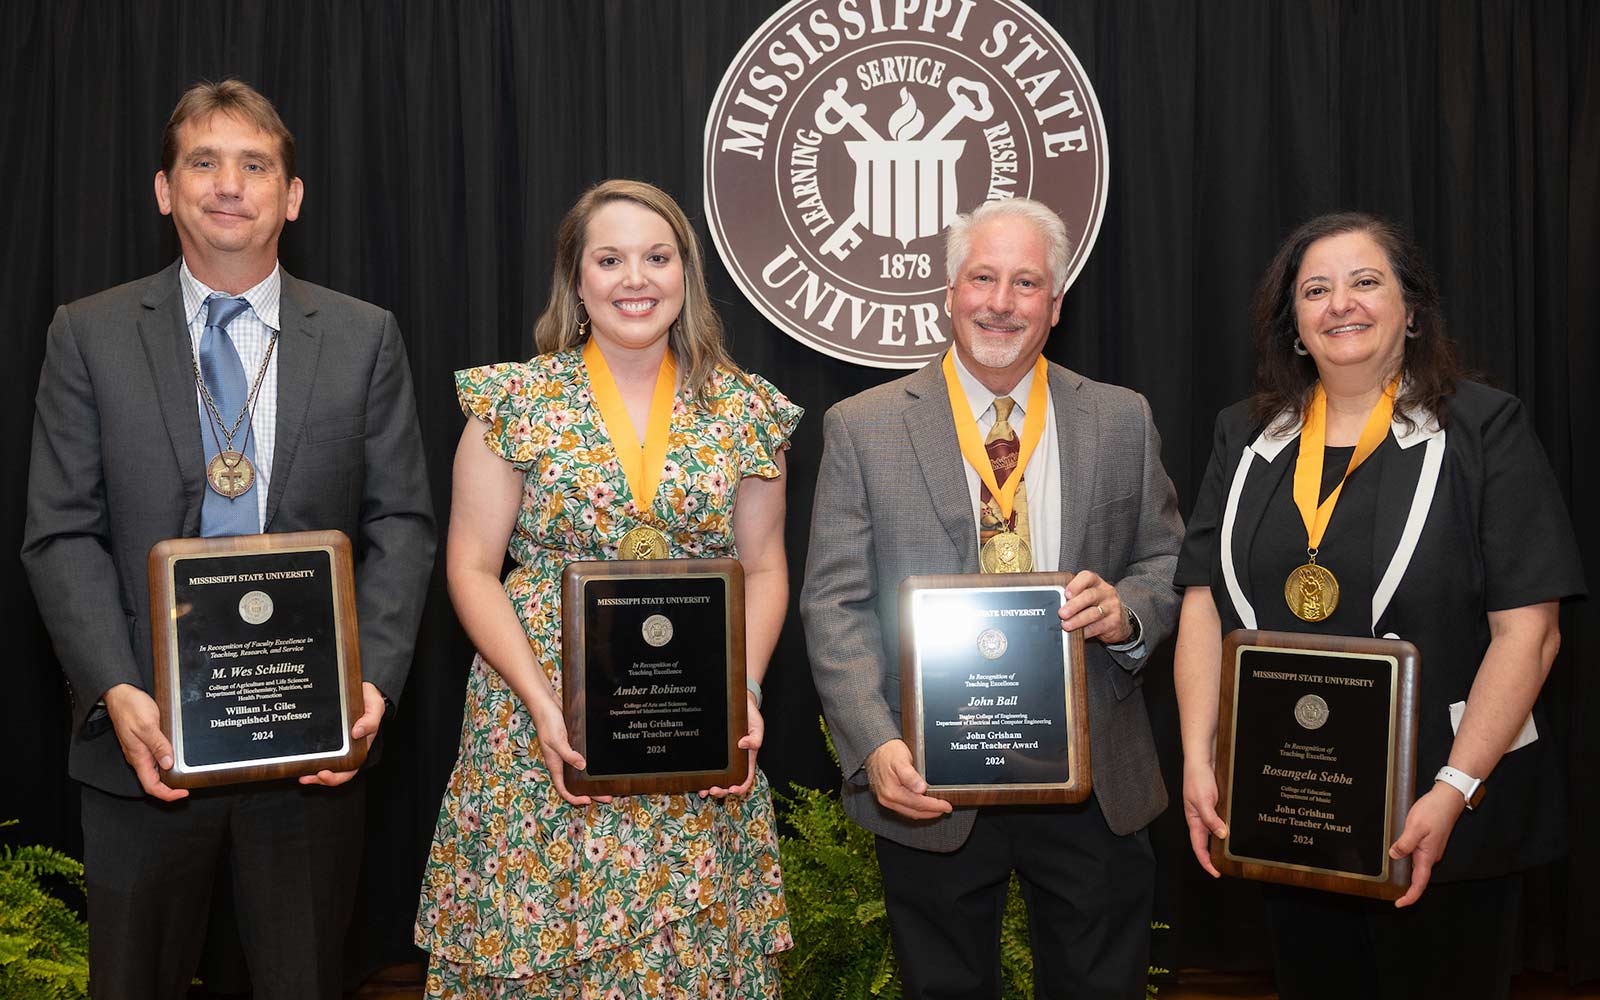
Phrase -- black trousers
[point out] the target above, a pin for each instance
(293, 854)
(1458, 942)
(1087, 890)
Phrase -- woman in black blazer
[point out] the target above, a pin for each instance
(1449, 532)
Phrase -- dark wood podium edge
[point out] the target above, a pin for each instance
(1402, 748)
(1069, 792)
(346, 630)
(573, 698)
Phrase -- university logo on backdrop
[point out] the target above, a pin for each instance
(847, 134)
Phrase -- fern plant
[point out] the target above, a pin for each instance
(44, 945)
(834, 890)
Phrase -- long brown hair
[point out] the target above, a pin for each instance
(696, 335)
(1429, 368)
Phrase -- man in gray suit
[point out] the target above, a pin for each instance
(141, 388)
(896, 498)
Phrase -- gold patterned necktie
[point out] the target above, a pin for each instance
(1003, 447)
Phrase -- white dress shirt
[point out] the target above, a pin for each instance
(250, 331)
(1041, 480)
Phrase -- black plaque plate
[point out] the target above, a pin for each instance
(1317, 769)
(653, 674)
(257, 669)
(992, 692)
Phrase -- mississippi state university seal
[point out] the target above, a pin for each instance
(255, 607)
(1311, 712)
(992, 643)
(657, 630)
(846, 136)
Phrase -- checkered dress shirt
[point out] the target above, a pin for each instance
(251, 331)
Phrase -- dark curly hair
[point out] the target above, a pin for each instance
(1284, 380)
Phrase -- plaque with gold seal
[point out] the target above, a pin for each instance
(993, 696)
(653, 674)
(257, 659)
(1316, 760)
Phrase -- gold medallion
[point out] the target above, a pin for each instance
(1312, 592)
(1005, 552)
(643, 542)
(231, 474)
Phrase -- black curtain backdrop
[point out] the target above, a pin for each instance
(440, 143)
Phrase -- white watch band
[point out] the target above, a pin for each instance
(1462, 782)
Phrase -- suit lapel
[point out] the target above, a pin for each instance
(299, 347)
(931, 425)
(164, 331)
(1397, 480)
(1269, 458)
(1076, 435)
(1406, 483)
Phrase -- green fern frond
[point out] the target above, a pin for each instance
(44, 946)
(827, 740)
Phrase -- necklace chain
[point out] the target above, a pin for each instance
(250, 401)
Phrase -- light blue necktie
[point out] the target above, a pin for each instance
(224, 376)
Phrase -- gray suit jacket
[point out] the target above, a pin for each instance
(117, 466)
(892, 502)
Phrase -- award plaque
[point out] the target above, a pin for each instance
(652, 674)
(257, 663)
(993, 698)
(1316, 760)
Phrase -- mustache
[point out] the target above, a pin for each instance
(996, 319)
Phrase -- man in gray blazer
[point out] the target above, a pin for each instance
(123, 435)
(896, 498)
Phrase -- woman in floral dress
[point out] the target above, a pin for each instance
(531, 891)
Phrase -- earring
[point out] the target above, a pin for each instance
(1300, 348)
(1411, 330)
(583, 319)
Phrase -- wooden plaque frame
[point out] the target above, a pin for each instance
(165, 618)
(1076, 708)
(575, 579)
(1395, 879)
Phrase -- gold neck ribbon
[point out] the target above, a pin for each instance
(640, 465)
(1308, 465)
(972, 445)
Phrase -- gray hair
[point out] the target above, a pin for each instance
(958, 238)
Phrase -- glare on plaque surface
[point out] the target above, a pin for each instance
(945, 619)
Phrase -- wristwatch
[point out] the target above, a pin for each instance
(1470, 788)
(1135, 627)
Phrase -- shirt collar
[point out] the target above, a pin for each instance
(979, 396)
(263, 298)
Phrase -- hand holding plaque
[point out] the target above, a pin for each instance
(257, 663)
(1316, 760)
(993, 698)
(652, 675)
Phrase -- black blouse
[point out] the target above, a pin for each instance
(1279, 546)
(1494, 535)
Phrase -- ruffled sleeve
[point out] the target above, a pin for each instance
(768, 420)
(501, 396)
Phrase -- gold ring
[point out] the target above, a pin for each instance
(1101, 610)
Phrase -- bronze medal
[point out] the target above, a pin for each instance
(1005, 552)
(231, 474)
(1312, 592)
(643, 542)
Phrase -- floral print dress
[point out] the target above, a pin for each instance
(524, 895)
